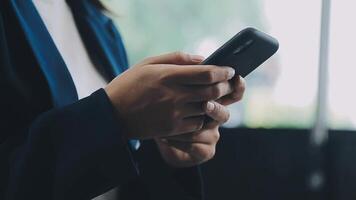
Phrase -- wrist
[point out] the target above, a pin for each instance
(115, 102)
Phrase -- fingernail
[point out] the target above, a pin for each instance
(210, 106)
(196, 58)
(231, 73)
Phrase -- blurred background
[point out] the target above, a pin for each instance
(287, 84)
(265, 151)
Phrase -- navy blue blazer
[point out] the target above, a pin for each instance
(54, 146)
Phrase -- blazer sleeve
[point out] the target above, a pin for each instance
(76, 152)
(159, 181)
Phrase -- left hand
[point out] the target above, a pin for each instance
(195, 148)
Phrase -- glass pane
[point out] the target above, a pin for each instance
(279, 94)
(342, 100)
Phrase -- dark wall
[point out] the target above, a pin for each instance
(342, 165)
(258, 164)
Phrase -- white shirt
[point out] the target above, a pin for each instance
(60, 23)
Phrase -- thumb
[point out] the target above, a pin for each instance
(177, 58)
(217, 112)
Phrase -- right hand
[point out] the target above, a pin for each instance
(164, 95)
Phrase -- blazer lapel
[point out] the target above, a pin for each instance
(60, 82)
(102, 40)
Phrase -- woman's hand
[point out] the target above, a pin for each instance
(238, 86)
(197, 147)
(163, 96)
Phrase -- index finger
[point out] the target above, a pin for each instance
(202, 74)
(179, 58)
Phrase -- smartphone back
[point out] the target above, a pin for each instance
(245, 51)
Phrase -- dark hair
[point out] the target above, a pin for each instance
(99, 5)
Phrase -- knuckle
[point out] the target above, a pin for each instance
(209, 75)
(216, 136)
(147, 60)
(178, 55)
(225, 75)
(237, 96)
(215, 92)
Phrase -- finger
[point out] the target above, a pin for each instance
(239, 86)
(207, 93)
(209, 136)
(211, 124)
(190, 124)
(178, 58)
(201, 74)
(192, 110)
(217, 112)
(198, 152)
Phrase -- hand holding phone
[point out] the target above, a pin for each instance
(246, 51)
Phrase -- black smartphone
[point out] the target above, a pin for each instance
(245, 51)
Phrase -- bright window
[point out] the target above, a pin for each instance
(281, 93)
(342, 73)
